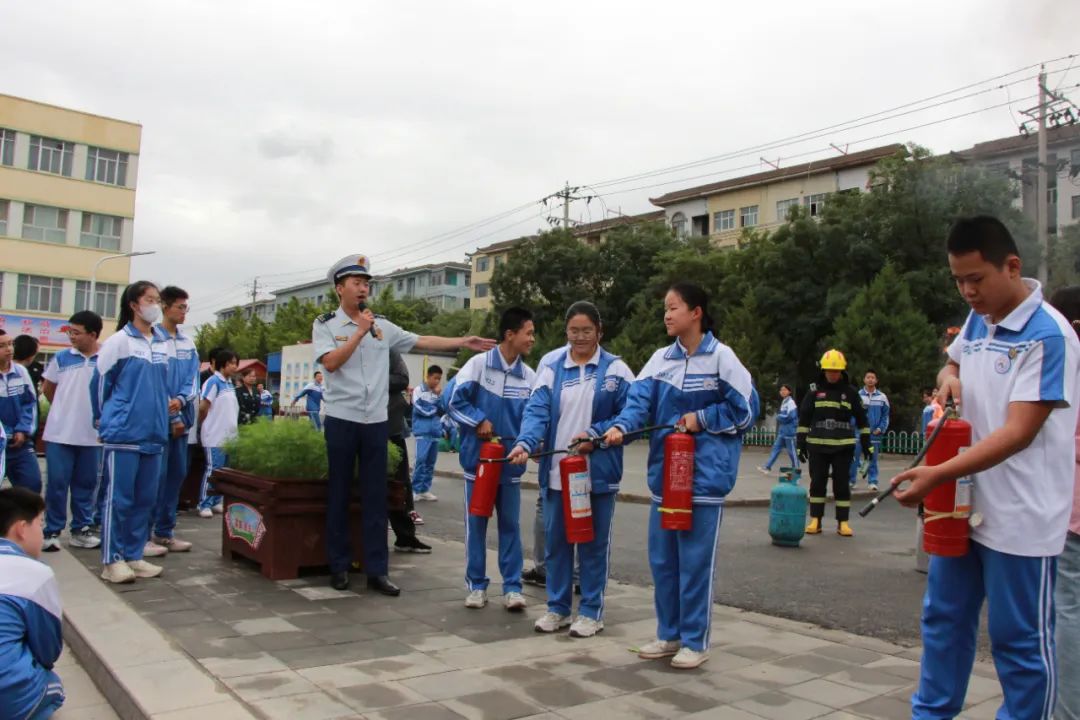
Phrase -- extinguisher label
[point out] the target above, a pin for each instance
(681, 477)
(962, 505)
(580, 487)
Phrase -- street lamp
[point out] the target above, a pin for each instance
(93, 275)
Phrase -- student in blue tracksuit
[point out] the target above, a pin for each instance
(489, 401)
(450, 426)
(787, 421)
(578, 390)
(876, 404)
(698, 384)
(30, 641)
(183, 401)
(427, 428)
(18, 414)
(72, 450)
(219, 414)
(313, 391)
(266, 402)
(129, 397)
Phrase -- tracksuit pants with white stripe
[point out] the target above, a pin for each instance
(130, 479)
(508, 513)
(1020, 601)
(594, 557)
(683, 564)
(72, 471)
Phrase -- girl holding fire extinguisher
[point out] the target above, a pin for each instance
(579, 389)
(698, 386)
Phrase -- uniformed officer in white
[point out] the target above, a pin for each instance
(354, 348)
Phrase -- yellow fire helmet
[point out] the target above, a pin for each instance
(833, 360)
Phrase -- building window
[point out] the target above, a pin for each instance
(748, 216)
(998, 168)
(51, 156)
(783, 209)
(724, 220)
(436, 279)
(40, 293)
(814, 203)
(679, 224)
(7, 147)
(44, 223)
(451, 277)
(1076, 207)
(1074, 162)
(699, 225)
(481, 290)
(499, 260)
(106, 166)
(105, 295)
(101, 231)
(5, 205)
(481, 264)
(400, 285)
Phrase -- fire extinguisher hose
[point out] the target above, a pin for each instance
(575, 443)
(950, 413)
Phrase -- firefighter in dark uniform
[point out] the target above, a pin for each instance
(825, 439)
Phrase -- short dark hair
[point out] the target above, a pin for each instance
(89, 319)
(171, 293)
(17, 503)
(789, 388)
(434, 369)
(868, 371)
(512, 320)
(1067, 302)
(985, 235)
(25, 347)
(222, 357)
(317, 372)
(928, 391)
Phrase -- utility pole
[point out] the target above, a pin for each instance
(567, 195)
(1042, 209)
(254, 295)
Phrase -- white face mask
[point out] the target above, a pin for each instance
(150, 313)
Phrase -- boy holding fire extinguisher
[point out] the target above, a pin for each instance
(697, 386)
(578, 390)
(489, 401)
(1016, 360)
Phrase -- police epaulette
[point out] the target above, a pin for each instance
(325, 317)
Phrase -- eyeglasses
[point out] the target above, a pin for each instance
(583, 333)
(183, 308)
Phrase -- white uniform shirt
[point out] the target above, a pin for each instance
(1032, 355)
(70, 421)
(219, 425)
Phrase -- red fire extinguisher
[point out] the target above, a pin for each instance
(576, 503)
(947, 508)
(486, 485)
(677, 508)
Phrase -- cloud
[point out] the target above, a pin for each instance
(296, 143)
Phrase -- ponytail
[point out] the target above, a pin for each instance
(695, 297)
(132, 294)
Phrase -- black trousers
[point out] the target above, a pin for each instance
(347, 444)
(402, 524)
(839, 463)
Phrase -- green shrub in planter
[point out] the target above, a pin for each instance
(287, 448)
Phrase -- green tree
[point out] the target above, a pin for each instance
(1064, 264)
(883, 329)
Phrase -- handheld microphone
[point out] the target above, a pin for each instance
(373, 331)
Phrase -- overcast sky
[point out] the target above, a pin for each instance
(278, 137)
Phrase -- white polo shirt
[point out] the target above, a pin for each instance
(70, 420)
(219, 425)
(1030, 356)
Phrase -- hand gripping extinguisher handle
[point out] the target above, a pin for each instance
(950, 412)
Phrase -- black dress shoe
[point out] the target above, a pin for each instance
(340, 580)
(412, 545)
(534, 577)
(382, 584)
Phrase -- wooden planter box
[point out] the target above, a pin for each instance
(278, 523)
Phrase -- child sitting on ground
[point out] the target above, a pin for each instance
(30, 641)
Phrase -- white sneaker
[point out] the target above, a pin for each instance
(152, 549)
(873, 487)
(84, 538)
(51, 543)
(476, 599)
(143, 569)
(515, 601)
(427, 496)
(219, 508)
(172, 544)
(659, 649)
(206, 513)
(551, 622)
(118, 572)
(584, 627)
(764, 470)
(687, 659)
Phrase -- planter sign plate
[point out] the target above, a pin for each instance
(244, 522)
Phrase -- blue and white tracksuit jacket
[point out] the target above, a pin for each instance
(713, 384)
(428, 430)
(877, 409)
(488, 389)
(129, 398)
(787, 420)
(611, 380)
(19, 413)
(313, 394)
(183, 377)
(30, 640)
